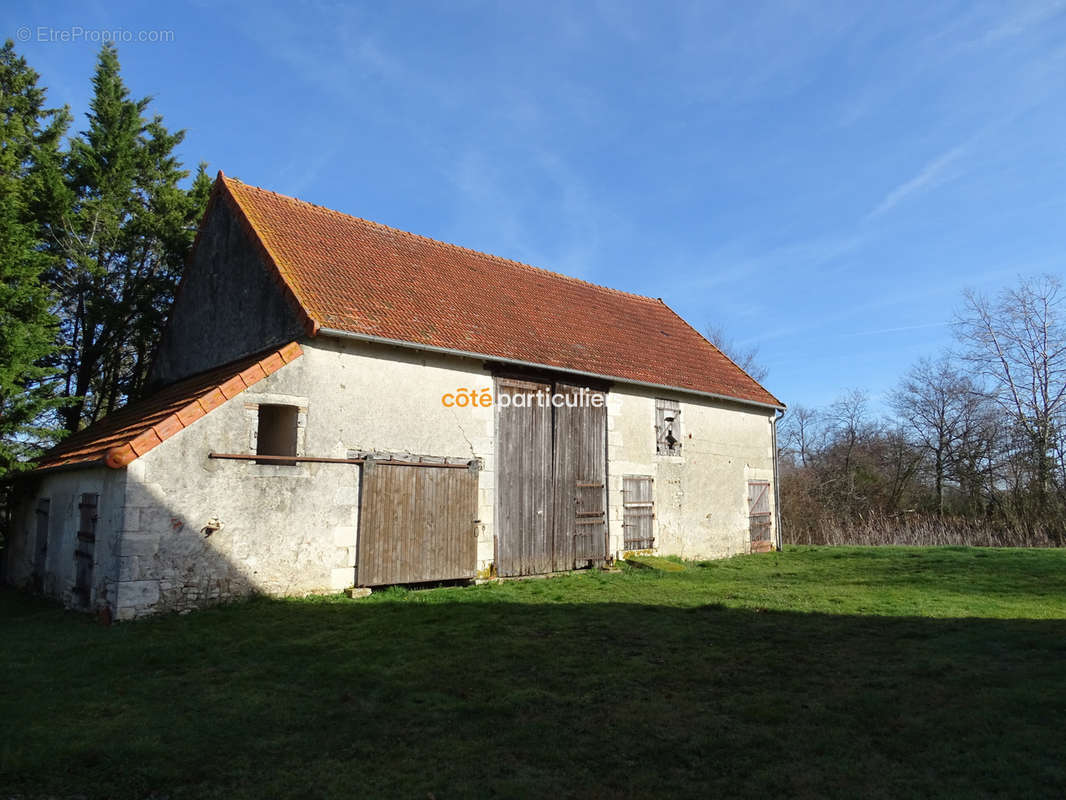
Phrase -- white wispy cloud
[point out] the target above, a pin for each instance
(733, 263)
(933, 174)
(1020, 22)
(899, 329)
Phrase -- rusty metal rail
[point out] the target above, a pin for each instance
(324, 460)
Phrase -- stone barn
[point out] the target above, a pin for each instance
(338, 403)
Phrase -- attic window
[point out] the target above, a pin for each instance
(278, 426)
(667, 427)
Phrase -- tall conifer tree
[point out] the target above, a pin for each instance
(123, 245)
(31, 195)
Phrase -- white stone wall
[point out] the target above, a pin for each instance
(290, 529)
(700, 495)
(64, 489)
(381, 398)
(293, 529)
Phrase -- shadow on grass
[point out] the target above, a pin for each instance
(498, 699)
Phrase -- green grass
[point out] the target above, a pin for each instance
(842, 672)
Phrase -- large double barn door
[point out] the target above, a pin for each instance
(551, 479)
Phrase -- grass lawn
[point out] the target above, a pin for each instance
(844, 672)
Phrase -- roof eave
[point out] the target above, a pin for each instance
(365, 337)
(199, 405)
(96, 463)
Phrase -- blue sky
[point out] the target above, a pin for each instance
(819, 179)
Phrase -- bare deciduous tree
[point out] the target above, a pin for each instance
(1016, 341)
(801, 432)
(747, 358)
(849, 426)
(978, 437)
(937, 405)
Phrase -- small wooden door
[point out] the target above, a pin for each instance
(40, 545)
(524, 478)
(84, 549)
(759, 520)
(580, 481)
(417, 524)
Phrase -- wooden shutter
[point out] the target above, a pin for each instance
(84, 549)
(638, 517)
(40, 552)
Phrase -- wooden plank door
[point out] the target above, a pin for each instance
(580, 481)
(417, 524)
(759, 521)
(523, 479)
(84, 549)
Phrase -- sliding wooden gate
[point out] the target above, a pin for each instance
(551, 476)
(417, 524)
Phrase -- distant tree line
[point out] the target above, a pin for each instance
(94, 229)
(973, 451)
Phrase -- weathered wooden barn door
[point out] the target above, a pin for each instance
(759, 520)
(524, 478)
(84, 549)
(417, 524)
(551, 476)
(580, 480)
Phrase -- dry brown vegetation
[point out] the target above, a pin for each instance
(973, 451)
(921, 530)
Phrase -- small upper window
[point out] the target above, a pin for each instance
(667, 427)
(277, 433)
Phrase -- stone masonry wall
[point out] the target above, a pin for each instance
(285, 530)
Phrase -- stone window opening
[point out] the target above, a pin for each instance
(277, 433)
(668, 427)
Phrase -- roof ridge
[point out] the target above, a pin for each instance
(720, 351)
(439, 242)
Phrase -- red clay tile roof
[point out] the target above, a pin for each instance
(121, 437)
(356, 276)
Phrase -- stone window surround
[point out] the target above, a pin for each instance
(251, 416)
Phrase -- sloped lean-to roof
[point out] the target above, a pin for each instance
(121, 437)
(349, 276)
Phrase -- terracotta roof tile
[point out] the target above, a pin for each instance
(130, 432)
(361, 277)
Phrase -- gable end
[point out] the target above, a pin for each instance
(231, 302)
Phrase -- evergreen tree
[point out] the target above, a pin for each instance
(31, 195)
(123, 245)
